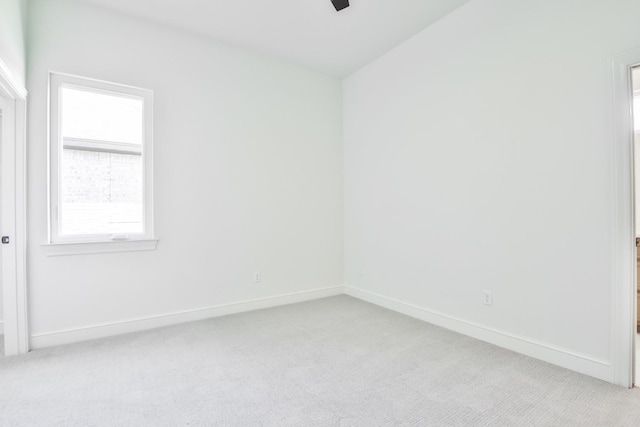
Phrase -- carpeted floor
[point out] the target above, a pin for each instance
(331, 362)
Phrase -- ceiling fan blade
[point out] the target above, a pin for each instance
(340, 4)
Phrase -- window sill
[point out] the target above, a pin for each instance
(62, 249)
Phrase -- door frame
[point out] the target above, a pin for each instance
(624, 278)
(14, 291)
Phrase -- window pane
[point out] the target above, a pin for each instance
(101, 193)
(95, 115)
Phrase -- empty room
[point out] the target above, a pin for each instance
(319, 212)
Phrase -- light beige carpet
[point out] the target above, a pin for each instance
(331, 362)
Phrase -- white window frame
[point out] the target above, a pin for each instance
(98, 243)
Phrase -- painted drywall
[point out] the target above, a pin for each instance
(478, 156)
(12, 39)
(248, 173)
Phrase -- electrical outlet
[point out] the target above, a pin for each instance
(487, 297)
(257, 277)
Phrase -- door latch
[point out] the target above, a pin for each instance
(5, 240)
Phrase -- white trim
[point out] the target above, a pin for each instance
(63, 249)
(16, 333)
(623, 251)
(540, 350)
(8, 83)
(103, 85)
(1, 329)
(102, 330)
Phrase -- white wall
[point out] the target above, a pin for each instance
(12, 40)
(478, 156)
(248, 172)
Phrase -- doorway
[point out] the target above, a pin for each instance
(1, 272)
(13, 302)
(624, 255)
(7, 268)
(635, 92)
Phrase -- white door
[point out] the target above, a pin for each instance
(1, 268)
(13, 272)
(8, 271)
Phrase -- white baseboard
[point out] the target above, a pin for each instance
(565, 358)
(144, 323)
(539, 350)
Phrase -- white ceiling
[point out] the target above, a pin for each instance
(306, 32)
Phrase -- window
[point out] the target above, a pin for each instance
(100, 161)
